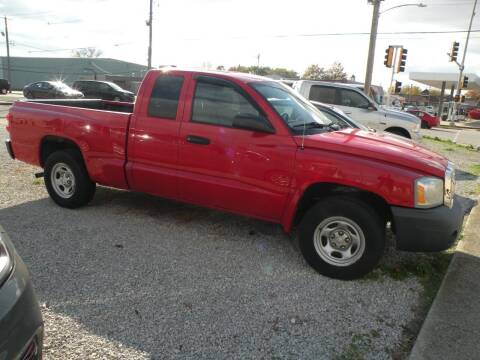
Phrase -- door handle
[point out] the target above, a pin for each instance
(348, 112)
(199, 140)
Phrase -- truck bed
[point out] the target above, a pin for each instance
(98, 127)
(96, 104)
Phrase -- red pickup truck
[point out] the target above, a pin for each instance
(251, 146)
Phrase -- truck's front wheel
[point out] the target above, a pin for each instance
(342, 238)
(67, 180)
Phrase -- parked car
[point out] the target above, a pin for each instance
(474, 114)
(4, 86)
(428, 121)
(338, 117)
(103, 90)
(251, 146)
(21, 324)
(356, 104)
(50, 90)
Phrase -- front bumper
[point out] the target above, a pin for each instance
(21, 325)
(427, 230)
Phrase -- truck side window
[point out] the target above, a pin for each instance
(218, 104)
(165, 94)
(353, 99)
(323, 94)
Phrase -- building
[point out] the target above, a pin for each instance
(25, 70)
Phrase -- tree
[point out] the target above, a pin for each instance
(90, 52)
(284, 73)
(265, 71)
(221, 68)
(314, 72)
(473, 94)
(335, 72)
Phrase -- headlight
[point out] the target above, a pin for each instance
(428, 192)
(6, 261)
(449, 192)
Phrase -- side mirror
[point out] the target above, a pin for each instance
(252, 122)
(371, 107)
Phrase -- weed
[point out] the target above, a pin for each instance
(475, 169)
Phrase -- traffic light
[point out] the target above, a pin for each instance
(402, 59)
(456, 98)
(465, 82)
(398, 87)
(454, 51)
(389, 56)
(462, 99)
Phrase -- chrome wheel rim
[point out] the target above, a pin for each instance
(339, 241)
(63, 180)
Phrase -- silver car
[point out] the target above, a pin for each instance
(357, 105)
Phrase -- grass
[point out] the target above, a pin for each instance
(475, 190)
(37, 181)
(475, 169)
(452, 145)
(360, 345)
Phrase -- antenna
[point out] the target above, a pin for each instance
(303, 135)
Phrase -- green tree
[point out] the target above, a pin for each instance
(335, 72)
(314, 72)
(265, 71)
(220, 67)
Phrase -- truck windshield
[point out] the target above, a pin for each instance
(296, 111)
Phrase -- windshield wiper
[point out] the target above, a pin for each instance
(309, 125)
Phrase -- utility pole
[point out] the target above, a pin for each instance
(150, 36)
(371, 48)
(462, 66)
(8, 51)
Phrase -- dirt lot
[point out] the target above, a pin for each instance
(136, 277)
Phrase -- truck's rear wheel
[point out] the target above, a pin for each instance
(342, 238)
(67, 180)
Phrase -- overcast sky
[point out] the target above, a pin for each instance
(195, 33)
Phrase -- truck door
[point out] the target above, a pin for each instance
(238, 170)
(153, 136)
(358, 107)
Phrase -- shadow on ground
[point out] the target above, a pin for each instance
(175, 280)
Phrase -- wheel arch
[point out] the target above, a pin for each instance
(317, 191)
(398, 131)
(51, 143)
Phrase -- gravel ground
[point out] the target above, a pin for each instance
(136, 277)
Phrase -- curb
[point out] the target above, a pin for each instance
(5, 103)
(458, 127)
(452, 327)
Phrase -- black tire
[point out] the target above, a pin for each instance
(425, 125)
(28, 95)
(83, 190)
(399, 132)
(366, 219)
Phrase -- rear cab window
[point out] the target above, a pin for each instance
(324, 94)
(163, 102)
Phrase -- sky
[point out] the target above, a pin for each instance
(209, 33)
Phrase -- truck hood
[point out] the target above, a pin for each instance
(379, 146)
(400, 115)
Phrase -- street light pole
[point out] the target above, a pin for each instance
(373, 38)
(371, 48)
(150, 36)
(8, 51)
(462, 66)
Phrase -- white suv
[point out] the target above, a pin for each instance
(356, 104)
